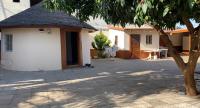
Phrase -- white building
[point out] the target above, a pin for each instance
(132, 41)
(37, 39)
(9, 8)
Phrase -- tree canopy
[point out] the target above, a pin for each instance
(165, 13)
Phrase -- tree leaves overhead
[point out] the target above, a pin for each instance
(144, 8)
(165, 13)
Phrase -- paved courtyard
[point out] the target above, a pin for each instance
(111, 83)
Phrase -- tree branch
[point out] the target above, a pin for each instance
(189, 25)
(197, 28)
(194, 36)
(172, 50)
(193, 56)
(198, 38)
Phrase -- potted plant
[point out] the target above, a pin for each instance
(100, 42)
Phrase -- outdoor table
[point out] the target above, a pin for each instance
(154, 53)
(165, 50)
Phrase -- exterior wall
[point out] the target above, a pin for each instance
(9, 8)
(143, 33)
(176, 39)
(126, 41)
(33, 50)
(186, 43)
(86, 45)
(121, 38)
(181, 41)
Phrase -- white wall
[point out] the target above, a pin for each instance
(121, 38)
(126, 41)
(86, 45)
(9, 8)
(33, 50)
(143, 33)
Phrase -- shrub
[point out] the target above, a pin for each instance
(100, 42)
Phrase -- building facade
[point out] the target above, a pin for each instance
(37, 39)
(133, 42)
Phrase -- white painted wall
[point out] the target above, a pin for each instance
(143, 33)
(124, 38)
(126, 41)
(33, 50)
(86, 45)
(121, 38)
(9, 8)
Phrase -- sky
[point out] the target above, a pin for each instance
(193, 22)
(101, 24)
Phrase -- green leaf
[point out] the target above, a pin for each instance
(190, 3)
(144, 8)
(135, 18)
(146, 17)
(166, 11)
(179, 2)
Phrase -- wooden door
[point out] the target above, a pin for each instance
(135, 46)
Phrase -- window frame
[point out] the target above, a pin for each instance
(149, 39)
(16, 1)
(8, 42)
(116, 40)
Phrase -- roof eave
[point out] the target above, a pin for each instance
(43, 26)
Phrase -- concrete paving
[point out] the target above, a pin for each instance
(111, 83)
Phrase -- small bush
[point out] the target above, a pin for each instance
(100, 42)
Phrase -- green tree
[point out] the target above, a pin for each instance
(161, 14)
(100, 42)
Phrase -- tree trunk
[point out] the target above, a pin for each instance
(186, 68)
(190, 83)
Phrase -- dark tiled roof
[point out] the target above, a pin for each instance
(39, 16)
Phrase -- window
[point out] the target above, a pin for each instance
(9, 42)
(116, 40)
(17, 1)
(149, 39)
(34, 2)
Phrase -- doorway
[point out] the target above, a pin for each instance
(135, 46)
(72, 48)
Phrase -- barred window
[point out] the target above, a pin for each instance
(16, 1)
(148, 39)
(116, 40)
(9, 42)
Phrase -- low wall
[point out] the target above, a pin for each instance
(93, 53)
(124, 54)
